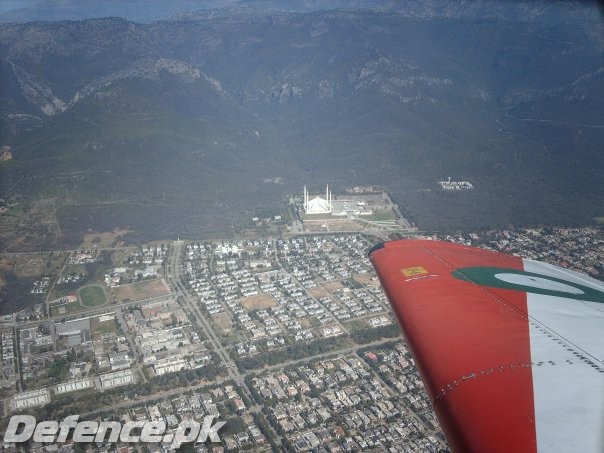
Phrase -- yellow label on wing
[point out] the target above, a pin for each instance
(411, 271)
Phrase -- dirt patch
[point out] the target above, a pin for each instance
(309, 323)
(6, 264)
(259, 302)
(102, 240)
(332, 286)
(224, 322)
(142, 290)
(318, 292)
(367, 279)
(332, 225)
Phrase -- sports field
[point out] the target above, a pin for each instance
(91, 296)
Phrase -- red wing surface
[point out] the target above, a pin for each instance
(511, 350)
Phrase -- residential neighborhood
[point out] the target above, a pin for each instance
(290, 340)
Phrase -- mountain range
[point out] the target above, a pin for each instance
(173, 127)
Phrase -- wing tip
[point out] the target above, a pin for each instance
(375, 248)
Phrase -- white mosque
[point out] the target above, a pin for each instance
(318, 205)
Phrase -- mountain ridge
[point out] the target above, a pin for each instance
(346, 97)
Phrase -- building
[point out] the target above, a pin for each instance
(29, 399)
(119, 361)
(169, 365)
(317, 205)
(115, 379)
(72, 386)
(78, 327)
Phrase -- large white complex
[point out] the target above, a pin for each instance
(317, 205)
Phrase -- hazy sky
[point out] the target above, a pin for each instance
(8, 5)
(145, 10)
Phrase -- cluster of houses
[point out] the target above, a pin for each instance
(343, 404)
(41, 286)
(221, 276)
(579, 249)
(8, 372)
(217, 401)
(148, 255)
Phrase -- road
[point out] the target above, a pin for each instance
(122, 323)
(82, 313)
(191, 303)
(156, 396)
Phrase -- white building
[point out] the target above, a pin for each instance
(170, 365)
(115, 379)
(317, 205)
(72, 386)
(29, 399)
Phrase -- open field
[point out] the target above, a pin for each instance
(315, 217)
(7, 223)
(355, 325)
(142, 290)
(39, 264)
(333, 224)
(310, 322)
(99, 328)
(259, 302)
(332, 286)
(29, 266)
(103, 240)
(6, 265)
(367, 279)
(91, 296)
(119, 256)
(224, 322)
(318, 292)
(66, 309)
(381, 216)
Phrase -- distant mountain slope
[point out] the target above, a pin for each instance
(194, 114)
(545, 11)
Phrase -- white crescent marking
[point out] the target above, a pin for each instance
(537, 282)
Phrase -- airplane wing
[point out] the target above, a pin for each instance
(511, 350)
